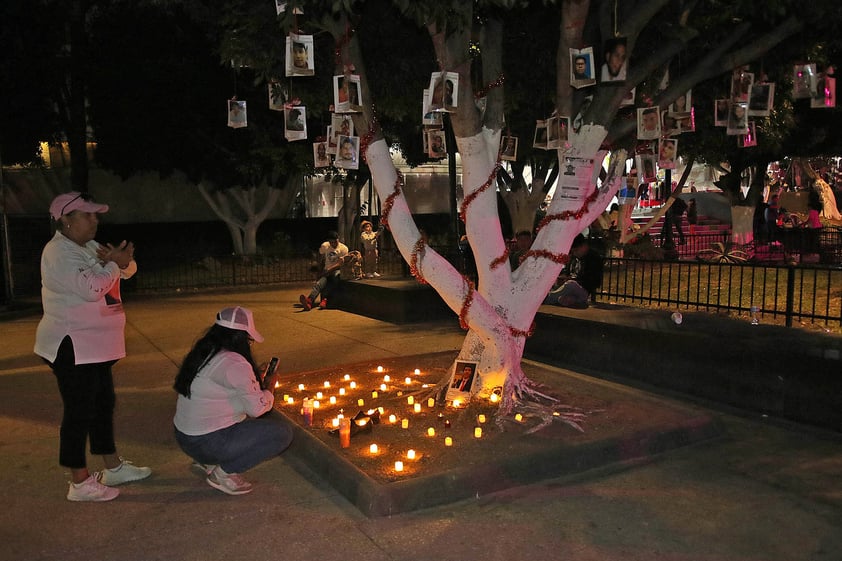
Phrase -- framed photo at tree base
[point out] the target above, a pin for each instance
(462, 380)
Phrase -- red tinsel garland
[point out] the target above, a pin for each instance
(470, 198)
(568, 214)
(501, 79)
(500, 260)
(466, 305)
(521, 333)
(390, 200)
(413, 260)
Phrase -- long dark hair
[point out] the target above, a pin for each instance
(216, 339)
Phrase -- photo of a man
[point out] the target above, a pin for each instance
(509, 148)
(760, 99)
(299, 55)
(347, 155)
(463, 376)
(615, 66)
(648, 123)
(437, 148)
(582, 68)
(237, 116)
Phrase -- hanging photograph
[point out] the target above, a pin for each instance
(575, 179)
(237, 116)
(295, 123)
(646, 169)
(741, 82)
(628, 99)
(341, 125)
(720, 112)
(825, 96)
(737, 119)
(803, 81)
(540, 139)
(437, 148)
(347, 152)
(749, 139)
(648, 123)
(686, 122)
(761, 99)
(281, 6)
(667, 151)
(462, 379)
(579, 120)
(445, 91)
(552, 132)
(331, 141)
(681, 105)
(582, 73)
(669, 124)
(320, 155)
(646, 147)
(428, 116)
(347, 95)
(276, 96)
(508, 148)
(299, 55)
(616, 61)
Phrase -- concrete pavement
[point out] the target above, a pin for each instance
(767, 491)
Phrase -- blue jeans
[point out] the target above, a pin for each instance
(239, 447)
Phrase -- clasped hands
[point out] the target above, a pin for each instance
(121, 254)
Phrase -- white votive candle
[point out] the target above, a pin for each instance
(392, 419)
(410, 400)
(300, 387)
(319, 395)
(327, 384)
(382, 387)
(380, 369)
(417, 371)
(333, 400)
(341, 391)
(373, 449)
(478, 432)
(410, 454)
(398, 465)
(353, 385)
(417, 407)
(407, 380)
(347, 377)
(431, 431)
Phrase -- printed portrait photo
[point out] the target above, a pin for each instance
(681, 105)
(667, 152)
(295, 123)
(347, 152)
(237, 115)
(321, 159)
(737, 119)
(669, 124)
(646, 170)
(445, 91)
(614, 68)
(648, 123)
(508, 148)
(428, 116)
(331, 141)
(299, 55)
(347, 94)
(720, 112)
(540, 138)
(686, 122)
(341, 125)
(825, 96)
(741, 82)
(803, 81)
(582, 72)
(761, 99)
(436, 144)
(276, 96)
(463, 376)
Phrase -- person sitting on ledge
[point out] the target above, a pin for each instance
(580, 277)
(333, 254)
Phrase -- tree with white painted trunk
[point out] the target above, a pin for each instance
(499, 313)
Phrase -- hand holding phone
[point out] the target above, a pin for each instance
(269, 374)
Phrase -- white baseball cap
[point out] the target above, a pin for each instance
(238, 318)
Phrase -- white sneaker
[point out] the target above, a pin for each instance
(376, 274)
(230, 483)
(124, 473)
(91, 490)
(205, 469)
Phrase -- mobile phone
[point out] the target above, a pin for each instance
(273, 365)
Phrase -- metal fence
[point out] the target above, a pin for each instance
(805, 293)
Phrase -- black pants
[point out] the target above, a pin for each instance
(87, 391)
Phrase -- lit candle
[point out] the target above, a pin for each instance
(327, 384)
(381, 410)
(440, 417)
(347, 377)
(448, 441)
(333, 400)
(398, 465)
(386, 378)
(494, 398)
(404, 423)
(382, 387)
(477, 432)
(481, 418)
(373, 448)
(417, 371)
(410, 400)
(300, 387)
(431, 402)
(360, 402)
(431, 431)
(374, 394)
(290, 400)
(410, 454)
(277, 384)
(286, 397)
(341, 391)
(316, 404)
(353, 385)
(518, 417)
(319, 395)
(392, 419)
(335, 422)
(447, 424)
(417, 407)
(380, 369)
(457, 403)
(407, 380)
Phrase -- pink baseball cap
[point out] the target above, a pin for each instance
(238, 318)
(66, 203)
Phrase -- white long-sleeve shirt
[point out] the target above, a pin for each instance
(223, 393)
(81, 298)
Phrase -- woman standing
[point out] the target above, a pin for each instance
(224, 418)
(81, 336)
